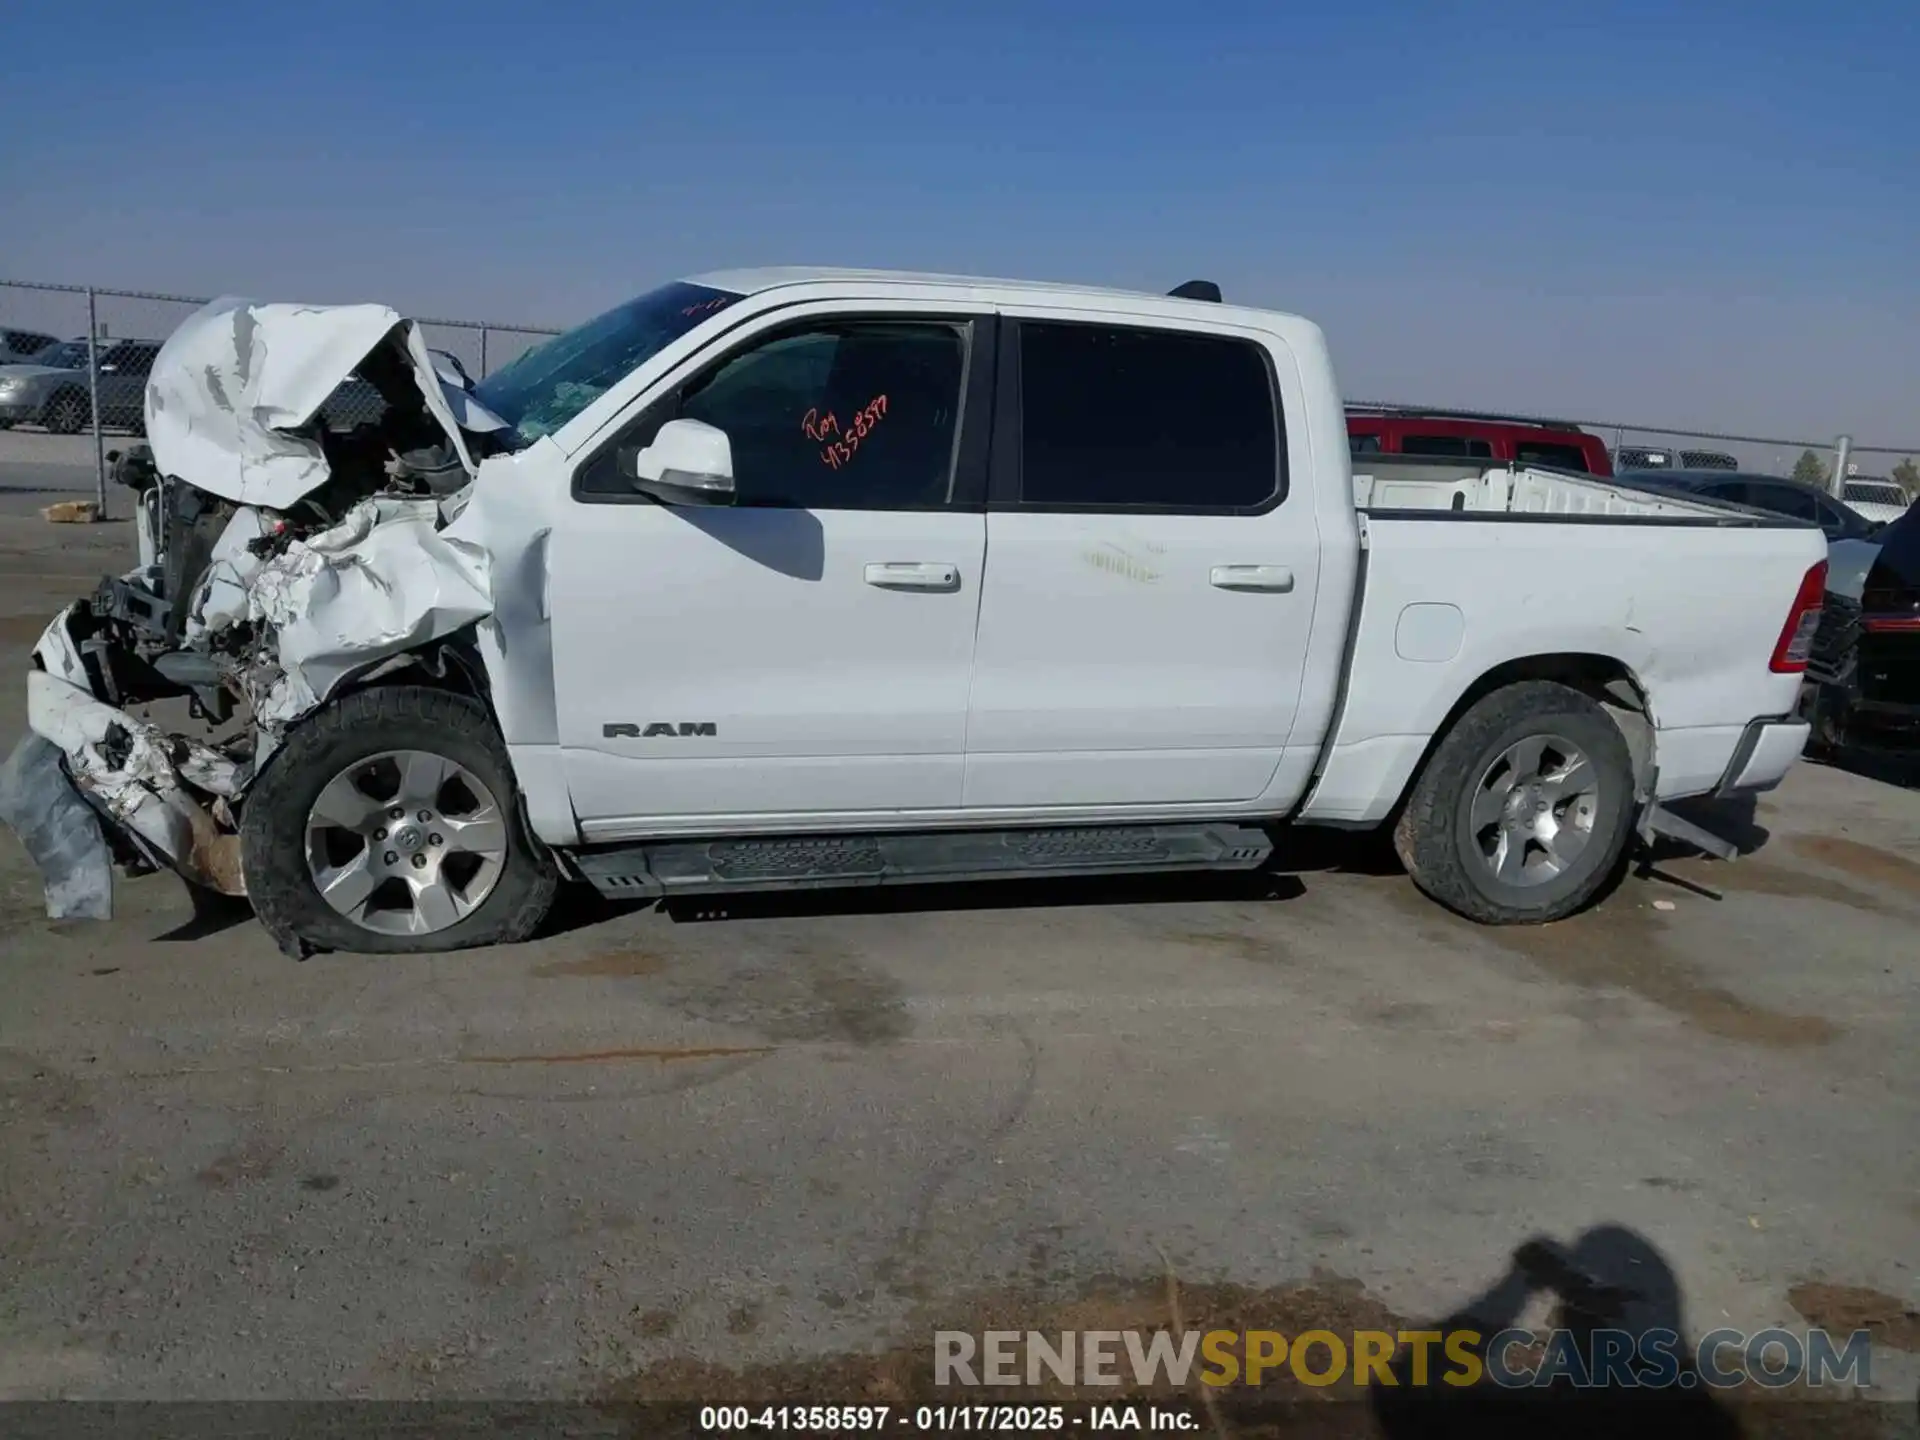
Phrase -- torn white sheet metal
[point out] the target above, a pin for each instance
(127, 767)
(238, 376)
(224, 596)
(381, 582)
(468, 412)
(123, 765)
(501, 519)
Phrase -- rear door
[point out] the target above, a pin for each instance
(1150, 579)
(805, 651)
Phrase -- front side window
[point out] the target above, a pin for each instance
(1785, 500)
(129, 359)
(1363, 445)
(1115, 418)
(842, 415)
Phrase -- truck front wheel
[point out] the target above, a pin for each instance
(389, 824)
(1523, 811)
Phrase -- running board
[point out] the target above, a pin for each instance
(681, 867)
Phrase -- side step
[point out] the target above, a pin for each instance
(807, 862)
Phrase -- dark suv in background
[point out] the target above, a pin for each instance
(1863, 676)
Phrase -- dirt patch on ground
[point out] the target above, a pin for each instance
(254, 1161)
(1868, 863)
(904, 1376)
(1621, 944)
(1846, 1308)
(606, 964)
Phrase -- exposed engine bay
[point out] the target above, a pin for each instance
(282, 555)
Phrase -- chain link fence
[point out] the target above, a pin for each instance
(91, 348)
(88, 350)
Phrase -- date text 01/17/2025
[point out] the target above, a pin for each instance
(839, 442)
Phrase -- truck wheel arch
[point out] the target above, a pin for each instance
(1607, 680)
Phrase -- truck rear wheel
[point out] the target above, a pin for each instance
(1523, 811)
(389, 824)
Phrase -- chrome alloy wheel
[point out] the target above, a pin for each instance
(405, 842)
(1532, 812)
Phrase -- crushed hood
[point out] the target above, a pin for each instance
(239, 377)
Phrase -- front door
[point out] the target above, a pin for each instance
(1150, 589)
(805, 652)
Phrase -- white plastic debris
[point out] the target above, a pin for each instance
(223, 596)
(125, 765)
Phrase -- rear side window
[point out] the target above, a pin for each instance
(1561, 457)
(1784, 500)
(130, 359)
(1363, 445)
(1117, 418)
(1453, 446)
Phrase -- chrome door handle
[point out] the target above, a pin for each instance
(1253, 577)
(914, 575)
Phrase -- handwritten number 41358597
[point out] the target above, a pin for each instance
(838, 443)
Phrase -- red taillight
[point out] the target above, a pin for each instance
(1890, 624)
(1790, 651)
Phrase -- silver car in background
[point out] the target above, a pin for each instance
(54, 391)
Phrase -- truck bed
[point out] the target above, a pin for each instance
(1466, 569)
(1385, 484)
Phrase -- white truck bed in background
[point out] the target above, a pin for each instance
(1511, 491)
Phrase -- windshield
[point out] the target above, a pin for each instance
(67, 355)
(550, 384)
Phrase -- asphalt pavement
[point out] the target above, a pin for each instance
(776, 1143)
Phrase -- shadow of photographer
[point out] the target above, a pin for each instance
(1611, 1371)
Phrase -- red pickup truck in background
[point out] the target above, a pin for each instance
(1469, 436)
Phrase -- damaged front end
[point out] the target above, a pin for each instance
(282, 557)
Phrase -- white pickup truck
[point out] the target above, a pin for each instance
(792, 578)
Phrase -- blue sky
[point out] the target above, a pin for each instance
(1690, 212)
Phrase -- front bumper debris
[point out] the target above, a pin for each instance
(59, 830)
(281, 559)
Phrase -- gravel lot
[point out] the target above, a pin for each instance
(656, 1148)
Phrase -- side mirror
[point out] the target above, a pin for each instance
(689, 463)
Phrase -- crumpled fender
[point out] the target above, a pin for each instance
(384, 581)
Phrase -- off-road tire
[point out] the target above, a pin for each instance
(1433, 836)
(67, 413)
(366, 723)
